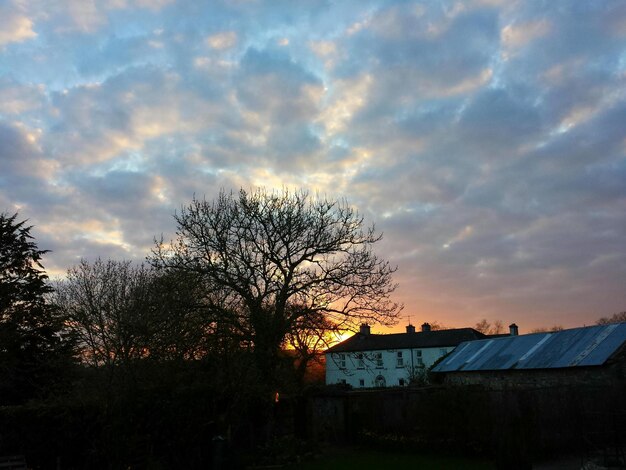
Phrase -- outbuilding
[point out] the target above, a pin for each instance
(588, 355)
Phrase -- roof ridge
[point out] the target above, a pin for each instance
(406, 340)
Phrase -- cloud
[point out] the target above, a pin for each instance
(119, 53)
(484, 138)
(496, 124)
(516, 36)
(152, 4)
(345, 100)
(82, 16)
(223, 40)
(15, 26)
(20, 154)
(103, 121)
(18, 98)
(271, 83)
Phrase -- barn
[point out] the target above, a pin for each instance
(592, 355)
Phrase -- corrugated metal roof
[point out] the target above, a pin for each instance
(587, 346)
(422, 339)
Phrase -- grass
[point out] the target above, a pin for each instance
(364, 459)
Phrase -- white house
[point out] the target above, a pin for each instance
(372, 360)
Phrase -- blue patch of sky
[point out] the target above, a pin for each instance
(620, 69)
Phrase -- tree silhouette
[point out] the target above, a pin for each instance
(489, 328)
(261, 253)
(615, 318)
(106, 304)
(33, 347)
(121, 312)
(311, 335)
(546, 329)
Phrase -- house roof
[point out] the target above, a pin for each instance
(421, 339)
(587, 346)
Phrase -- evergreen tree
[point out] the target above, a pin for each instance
(34, 354)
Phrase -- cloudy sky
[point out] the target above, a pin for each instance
(486, 139)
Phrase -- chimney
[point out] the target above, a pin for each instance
(410, 328)
(365, 329)
(513, 329)
(426, 327)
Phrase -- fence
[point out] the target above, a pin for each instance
(512, 424)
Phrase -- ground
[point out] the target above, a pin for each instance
(362, 459)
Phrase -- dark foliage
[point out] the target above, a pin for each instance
(35, 355)
(168, 417)
(514, 427)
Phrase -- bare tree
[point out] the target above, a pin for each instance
(179, 327)
(615, 318)
(436, 326)
(489, 328)
(312, 334)
(260, 252)
(543, 329)
(105, 303)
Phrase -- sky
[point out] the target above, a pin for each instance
(486, 139)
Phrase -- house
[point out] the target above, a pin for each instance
(592, 355)
(375, 360)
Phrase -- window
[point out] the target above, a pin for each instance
(379, 360)
(360, 363)
(342, 361)
(401, 382)
(419, 362)
(399, 360)
(361, 382)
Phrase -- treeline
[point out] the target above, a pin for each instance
(133, 365)
(118, 366)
